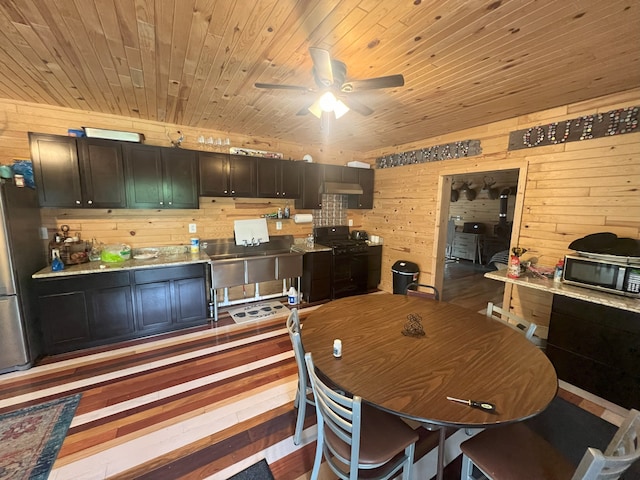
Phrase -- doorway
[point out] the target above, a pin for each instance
(479, 219)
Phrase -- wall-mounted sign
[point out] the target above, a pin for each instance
(466, 148)
(615, 122)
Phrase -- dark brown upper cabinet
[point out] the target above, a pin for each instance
(312, 179)
(364, 177)
(278, 178)
(160, 177)
(315, 174)
(225, 175)
(77, 172)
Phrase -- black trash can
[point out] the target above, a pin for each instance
(404, 273)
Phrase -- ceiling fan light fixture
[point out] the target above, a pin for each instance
(315, 109)
(340, 109)
(328, 102)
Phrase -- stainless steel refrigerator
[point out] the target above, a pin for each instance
(22, 253)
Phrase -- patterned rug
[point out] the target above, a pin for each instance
(30, 438)
(257, 471)
(258, 311)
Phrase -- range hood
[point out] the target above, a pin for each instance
(340, 188)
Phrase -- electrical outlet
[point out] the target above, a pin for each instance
(192, 228)
(278, 225)
(44, 233)
(351, 222)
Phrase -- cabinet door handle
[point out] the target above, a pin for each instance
(78, 202)
(170, 203)
(233, 191)
(161, 203)
(90, 202)
(225, 191)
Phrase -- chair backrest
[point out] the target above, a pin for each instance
(339, 414)
(293, 326)
(527, 328)
(623, 450)
(412, 290)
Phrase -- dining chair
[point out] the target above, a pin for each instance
(412, 290)
(518, 323)
(354, 437)
(304, 394)
(516, 451)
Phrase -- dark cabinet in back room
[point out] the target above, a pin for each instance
(225, 175)
(158, 177)
(278, 178)
(78, 172)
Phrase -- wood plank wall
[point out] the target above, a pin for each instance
(566, 191)
(140, 228)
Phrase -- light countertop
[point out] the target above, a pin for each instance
(169, 259)
(558, 288)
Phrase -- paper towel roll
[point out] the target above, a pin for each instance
(303, 218)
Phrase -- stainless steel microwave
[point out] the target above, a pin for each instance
(606, 275)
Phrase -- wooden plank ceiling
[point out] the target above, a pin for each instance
(195, 62)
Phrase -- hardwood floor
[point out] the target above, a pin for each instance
(203, 404)
(465, 285)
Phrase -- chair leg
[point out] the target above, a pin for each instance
(319, 448)
(302, 408)
(466, 472)
(410, 453)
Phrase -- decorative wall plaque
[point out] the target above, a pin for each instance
(465, 148)
(614, 122)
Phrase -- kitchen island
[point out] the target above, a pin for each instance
(96, 303)
(594, 338)
(559, 288)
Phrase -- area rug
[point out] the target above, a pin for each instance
(258, 311)
(30, 438)
(257, 471)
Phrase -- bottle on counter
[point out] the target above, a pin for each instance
(279, 212)
(287, 211)
(293, 296)
(310, 241)
(557, 274)
(56, 263)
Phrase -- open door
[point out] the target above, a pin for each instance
(476, 227)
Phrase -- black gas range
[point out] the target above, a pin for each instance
(350, 260)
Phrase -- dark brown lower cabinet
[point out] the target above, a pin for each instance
(596, 348)
(167, 298)
(316, 276)
(374, 267)
(84, 311)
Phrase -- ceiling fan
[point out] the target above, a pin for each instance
(329, 75)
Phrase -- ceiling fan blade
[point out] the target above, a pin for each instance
(279, 86)
(355, 105)
(322, 65)
(373, 83)
(305, 108)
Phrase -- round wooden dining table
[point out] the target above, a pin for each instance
(462, 354)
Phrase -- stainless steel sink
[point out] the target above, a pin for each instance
(222, 249)
(246, 253)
